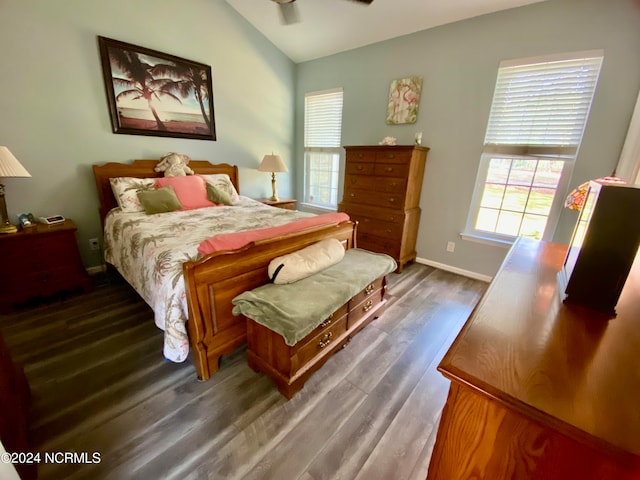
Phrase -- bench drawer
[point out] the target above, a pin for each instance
(310, 346)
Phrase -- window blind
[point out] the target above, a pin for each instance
(541, 108)
(323, 119)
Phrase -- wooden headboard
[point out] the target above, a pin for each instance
(144, 169)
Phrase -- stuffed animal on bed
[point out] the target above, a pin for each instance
(174, 165)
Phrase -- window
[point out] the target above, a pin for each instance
(322, 147)
(539, 112)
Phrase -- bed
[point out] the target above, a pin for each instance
(193, 305)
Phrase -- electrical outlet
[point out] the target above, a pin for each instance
(94, 244)
(451, 246)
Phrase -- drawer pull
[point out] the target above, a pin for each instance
(369, 289)
(352, 195)
(392, 199)
(393, 184)
(367, 306)
(326, 340)
(390, 155)
(359, 167)
(388, 169)
(327, 322)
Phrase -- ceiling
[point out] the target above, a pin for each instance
(331, 26)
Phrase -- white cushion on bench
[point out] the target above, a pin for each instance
(305, 262)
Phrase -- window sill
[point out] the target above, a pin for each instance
(311, 208)
(495, 242)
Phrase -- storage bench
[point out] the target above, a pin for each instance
(289, 346)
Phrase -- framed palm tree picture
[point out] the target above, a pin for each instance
(154, 93)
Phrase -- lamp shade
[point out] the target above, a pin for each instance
(575, 200)
(272, 163)
(10, 166)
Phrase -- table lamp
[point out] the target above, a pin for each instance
(273, 163)
(9, 167)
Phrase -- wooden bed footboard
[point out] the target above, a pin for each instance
(213, 281)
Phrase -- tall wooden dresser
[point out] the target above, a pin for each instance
(382, 188)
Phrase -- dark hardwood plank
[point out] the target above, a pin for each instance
(99, 384)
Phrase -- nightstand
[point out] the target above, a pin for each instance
(40, 261)
(286, 203)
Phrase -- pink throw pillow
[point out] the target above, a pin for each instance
(191, 190)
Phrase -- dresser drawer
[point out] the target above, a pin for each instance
(363, 155)
(374, 226)
(378, 244)
(393, 156)
(379, 199)
(377, 184)
(359, 168)
(357, 212)
(313, 345)
(391, 170)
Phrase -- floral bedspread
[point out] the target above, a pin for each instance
(149, 250)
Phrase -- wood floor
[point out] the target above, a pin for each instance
(100, 384)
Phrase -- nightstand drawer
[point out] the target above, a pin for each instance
(39, 262)
(29, 283)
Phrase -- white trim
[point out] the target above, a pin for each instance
(486, 240)
(456, 270)
(311, 208)
(629, 164)
(554, 57)
(97, 269)
(324, 92)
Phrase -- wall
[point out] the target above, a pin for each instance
(459, 64)
(53, 108)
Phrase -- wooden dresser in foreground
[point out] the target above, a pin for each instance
(382, 187)
(40, 261)
(541, 389)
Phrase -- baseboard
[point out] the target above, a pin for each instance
(97, 269)
(456, 270)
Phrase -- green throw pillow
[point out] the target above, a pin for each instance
(159, 200)
(218, 196)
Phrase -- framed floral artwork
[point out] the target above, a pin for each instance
(404, 98)
(154, 93)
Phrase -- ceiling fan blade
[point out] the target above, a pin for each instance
(368, 2)
(289, 13)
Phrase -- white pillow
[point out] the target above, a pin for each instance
(126, 189)
(305, 262)
(223, 182)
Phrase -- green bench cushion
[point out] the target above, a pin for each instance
(293, 310)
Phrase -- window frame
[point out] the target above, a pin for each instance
(334, 173)
(489, 151)
(330, 145)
